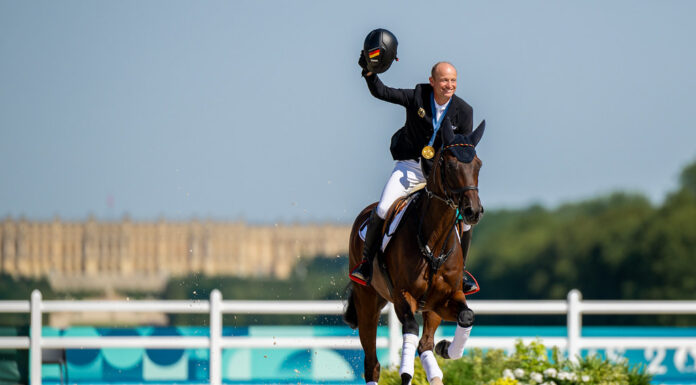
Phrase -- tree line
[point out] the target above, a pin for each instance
(617, 246)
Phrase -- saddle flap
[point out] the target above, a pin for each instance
(391, 223)
(395, 212)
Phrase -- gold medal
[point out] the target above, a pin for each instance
(421, 113)
(428, 152)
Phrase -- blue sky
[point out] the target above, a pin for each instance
(255, 110)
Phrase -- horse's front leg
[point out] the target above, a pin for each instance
(404, 306)
(456, 310)
(425, 348)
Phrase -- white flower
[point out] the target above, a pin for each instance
(572, 376)
(585, 378)
(536, 377)
(519, 373)
(507, 373)
(548, 383)
(563, 376)
(550, 372)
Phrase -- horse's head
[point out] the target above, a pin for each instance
(455, 172)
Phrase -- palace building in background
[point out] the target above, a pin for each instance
(143, 255)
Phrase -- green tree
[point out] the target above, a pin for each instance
(688, 178)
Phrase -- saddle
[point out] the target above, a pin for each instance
(393, 218)
(396, 213)
(391, 224)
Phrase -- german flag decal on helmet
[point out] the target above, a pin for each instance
(379, 50)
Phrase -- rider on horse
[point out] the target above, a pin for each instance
(428, 106)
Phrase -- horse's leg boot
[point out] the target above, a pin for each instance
(362, 274)
(465, 318)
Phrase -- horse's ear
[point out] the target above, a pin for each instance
(475, 136)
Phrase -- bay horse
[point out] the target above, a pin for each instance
(422, 266)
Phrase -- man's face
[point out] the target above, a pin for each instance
(444, 82)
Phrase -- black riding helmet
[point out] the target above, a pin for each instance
(380, 50)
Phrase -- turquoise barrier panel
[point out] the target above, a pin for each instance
(14, 363)
(334, 366)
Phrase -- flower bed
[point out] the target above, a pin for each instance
(531, 364)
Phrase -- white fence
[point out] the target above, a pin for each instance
(574, 307)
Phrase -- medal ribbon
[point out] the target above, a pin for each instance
(436, 122)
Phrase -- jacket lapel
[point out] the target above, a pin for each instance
(452, 112)
(426, 105)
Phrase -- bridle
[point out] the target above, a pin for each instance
(458, 191)
(449, 201)
(436, 261)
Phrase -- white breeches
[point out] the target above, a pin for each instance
(407, 174)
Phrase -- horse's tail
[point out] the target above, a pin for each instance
(350, 315)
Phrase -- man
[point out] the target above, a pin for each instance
(428, 107)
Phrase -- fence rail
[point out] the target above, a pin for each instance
(574, 307)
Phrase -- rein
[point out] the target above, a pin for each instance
(449, 201)
(435, 262)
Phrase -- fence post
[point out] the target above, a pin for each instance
(215, 362)
(35, 338)
(574, 324)
(394, 337)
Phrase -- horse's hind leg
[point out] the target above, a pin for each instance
(368, 305)
(456, 310)
(425, 348)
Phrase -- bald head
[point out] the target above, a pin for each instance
(443, 78)
(439, 64)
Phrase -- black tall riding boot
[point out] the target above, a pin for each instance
(469, 284)
(362, 273)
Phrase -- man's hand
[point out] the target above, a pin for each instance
(362, 62)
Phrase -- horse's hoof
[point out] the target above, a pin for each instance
(436, 381)
(465, 318)
(441, 349)
(405, 378)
